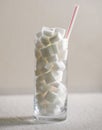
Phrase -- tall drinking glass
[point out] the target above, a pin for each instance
(51, 58)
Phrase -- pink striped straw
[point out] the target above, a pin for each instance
(69, 30)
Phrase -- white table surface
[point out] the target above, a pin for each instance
(84, 113)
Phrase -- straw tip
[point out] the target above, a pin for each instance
(77, 5)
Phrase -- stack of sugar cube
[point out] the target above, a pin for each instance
(51, 50)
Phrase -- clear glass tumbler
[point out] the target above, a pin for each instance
(51, 59)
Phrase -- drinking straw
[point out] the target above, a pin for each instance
(69, 30)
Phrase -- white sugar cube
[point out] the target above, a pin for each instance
(51, 96)
(40, 71)
(41, 62)
(44, 69)
(53, 76)
(45, 52)
(44, 39)
(63, 55)
(52, 58)
(62, 91)
(60, 102)
(61, 31)
(38, 53)
(53, 109)
(54, 66)
(48, 31)
(63, 44)
(55, 38)
(42, 88)
(59, 65)
(39, 97)
(49, 77)
(58, 75)
(40, 82)
(50, 50)
(38, 44)
(40, 79)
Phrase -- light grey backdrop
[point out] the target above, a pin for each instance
(21, 19)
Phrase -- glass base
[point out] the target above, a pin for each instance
(49, 119)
